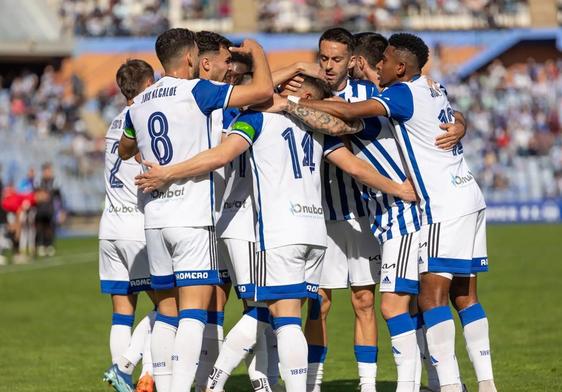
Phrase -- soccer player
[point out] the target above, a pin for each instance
(123, 268)
(452, 207)
(214, 64)
(285, 158)
(168, 123)
(352, 256)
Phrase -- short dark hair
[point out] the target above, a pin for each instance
(132, 75)
(171, 42)
(243, 58)
(413, 44)
(371, 46)
(319, 85)
(207, 41)
(341, 35)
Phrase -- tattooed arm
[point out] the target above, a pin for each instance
(323, 122)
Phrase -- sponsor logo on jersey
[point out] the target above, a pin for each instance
(237, 204)
(305, 210)
(386, 280)
(459, 181)
(123, 209)
(169, 194)
(375, 258)
(386, 266)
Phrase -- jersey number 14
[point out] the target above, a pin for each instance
(307, 145)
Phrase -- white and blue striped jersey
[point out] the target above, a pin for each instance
(442, 178)
(343, 198)
(171, 121)
(122, 217)
(285, 158)
(390, 216)
(237, 217)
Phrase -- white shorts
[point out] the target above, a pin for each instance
(288, 272)
(399, 269)
(182, 256)
(241, 264)
(456, 247)
(223, 262)
(353, 255)
(123, 266)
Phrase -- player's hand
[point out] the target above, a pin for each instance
(454, 132)
(293, 85)
(407, 191)
(248, 46)
(310, 69)
(154, 177)
(276, 104)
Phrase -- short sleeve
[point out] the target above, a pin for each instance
(228, 116)
(331, 144)
(248, 125)
(211, 96)
(128, 128)
(398, 102)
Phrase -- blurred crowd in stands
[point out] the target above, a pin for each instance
(101, 18)
(150, 17)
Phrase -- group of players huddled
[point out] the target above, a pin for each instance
(288, 185)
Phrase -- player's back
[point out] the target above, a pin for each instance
(442, 178)
(285, 160)
(121, 194)
(172, 121)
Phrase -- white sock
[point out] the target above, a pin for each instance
(213, 337)
(120, 334)
(238, 343)
(475, 328)
(316, 357)
(293, 352)
(187, 348)
(133, 353)
(432, 378)
(405, 350)
(441, 344)
(366, 357)
(162, 346)
(147, 356)
(255, 364)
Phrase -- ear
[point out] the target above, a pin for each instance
(205, 63)
(306, 95)
(352, 61)
(360, 60)
(400, 69)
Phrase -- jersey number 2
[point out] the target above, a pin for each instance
(160, 142)
(114, 182)
(307, 145)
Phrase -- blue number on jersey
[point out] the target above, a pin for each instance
(289, 136)
(447, 117)
(114, 182)
(308, 148)
(160, 142)
(307, 145)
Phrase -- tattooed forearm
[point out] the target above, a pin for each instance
(323, 122)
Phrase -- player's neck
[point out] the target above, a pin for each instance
(342, 85)
(179, 73)
(372, 76)
(129, 102)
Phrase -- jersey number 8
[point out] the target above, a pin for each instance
(160, 142)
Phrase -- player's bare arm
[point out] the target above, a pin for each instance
(261, 87)
(453, 134)
(367, 175)
(127, 147)
(289, 74)
(207, 161)
(345, 110)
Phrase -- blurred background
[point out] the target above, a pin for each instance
(501, 62)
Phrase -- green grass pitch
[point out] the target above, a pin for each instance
(54, 323)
